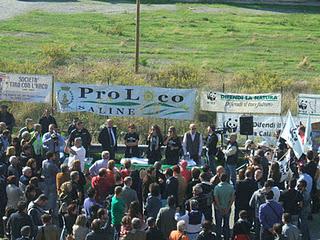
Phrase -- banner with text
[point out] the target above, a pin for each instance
(25, 87)
(240, 103)
(309, 104)
(126, 100)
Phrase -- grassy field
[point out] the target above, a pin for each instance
(219, 38)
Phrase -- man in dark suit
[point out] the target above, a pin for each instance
(108, 138)
(211, 145)
(244, 190)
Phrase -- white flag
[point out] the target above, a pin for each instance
(290, 134)
(307, 136)
(284, 165)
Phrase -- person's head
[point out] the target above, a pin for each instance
(155, 130)
(268, 184)
(42, 200)
(111, 164)
(105, 155)
(269, 195)
(220, 170)
(74, 176)
(127, 164)
(11, 179)
(72, 209)
(79, 125)
(243, 214)
(52, 128)
(22, 206)
(102, 172)
(302, 185)
(134, 209)
(136, 223)
(151, 221)
(310, 155)
(277, 229)
(171, 201)
(197, 190)
(207, 226)
(81, 220)
(34, 181)
(102, 213)
(183, 164)
(14, 160)
(256, 160)
(96, 225)
(27, 171)
(192, 128)
(37, 127)
(127, 181)
(46, 219)
(131, 128)
(286, 218)
(64, 168)
(76, 165)
(3, 108)
(194, 205)
(172, 131)
(126, 220)
(151, 171)
(11, 151)
(275, 167)
(25, 231)
(248, 174)
(78, 142)
(157, 165)
(258, 174)
(181, 226)
(233, 137)
(32, 163)
(224, 177)
(205, 177)
(168, 172)
(109, 123)
(118, 191)
(50, 155)
(91, 192)
(176, 170)
(292, 183)
(195, 173)
(301, 169)
(154, 189)
(29, 123)
(211, 129)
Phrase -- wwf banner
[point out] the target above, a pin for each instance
(240, 103)
(309, 104)
(25, 87)
(126, 100)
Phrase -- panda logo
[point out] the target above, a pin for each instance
(212, 96)
(231, 125)
(306, 106)
(294, 134)
(303, 104)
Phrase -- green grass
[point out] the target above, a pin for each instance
(226, 41)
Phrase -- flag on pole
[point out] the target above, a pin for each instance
(307, 136)
(290, 134)
(284, 166)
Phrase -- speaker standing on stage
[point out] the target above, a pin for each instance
(211, 144)
(108, 138)
(192, 143)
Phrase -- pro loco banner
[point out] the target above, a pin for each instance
(25, 87)
(126, 100)
(309, 104)
(240, 103)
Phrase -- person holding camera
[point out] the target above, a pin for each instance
(53, 141)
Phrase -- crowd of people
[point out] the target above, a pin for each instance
(45, 195)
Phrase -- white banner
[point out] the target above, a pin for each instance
(309, 104)
(240, 103)
(285, 170)
(126, 100)
(25, 87)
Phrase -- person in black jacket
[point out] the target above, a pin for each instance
(242, 227)
(80, 132)
(97, 233)
(171, 185)
(3, 197)
(108, 138)
(46, 120)
(206, 233)
(7, 117)
(153, 233)
(211, 145)
(18, 220)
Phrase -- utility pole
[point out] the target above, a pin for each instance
(137, 36)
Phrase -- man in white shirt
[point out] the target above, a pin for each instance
(77, 152)
(103, 163)
(192, 143)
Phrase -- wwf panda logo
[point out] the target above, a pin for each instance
(212, 96)
(303, 104)
(294, 134)
(231, 125)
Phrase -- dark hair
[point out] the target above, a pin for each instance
(277, 228)
(50, 155)
(25, 231)
(46, 218)
(151, 221)
(310, 155)
(195, 172)
(269, 183)
(243, 214)
(176, 169)
(293, 183)
(71, 208)
(21, 206)
(303, 182)
(169, 172)
(101, 212)
(91, 192)
(205, 176)
(96, 225)
(154, 189)
(171, 201)
(206, 168)
(287, 217)
(207, 226)
(224, 177)
(269, 195)
(134, 209)
(248, 173)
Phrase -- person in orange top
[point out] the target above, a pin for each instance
(62, 177)
(179, 234)
(185, 173)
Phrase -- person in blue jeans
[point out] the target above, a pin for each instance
(223, 200)
(231, 153)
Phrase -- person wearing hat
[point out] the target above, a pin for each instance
(231, 153)
(108, 138)
(7, 117)
(36, 209)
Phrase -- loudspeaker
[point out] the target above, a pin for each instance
(246, 125)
